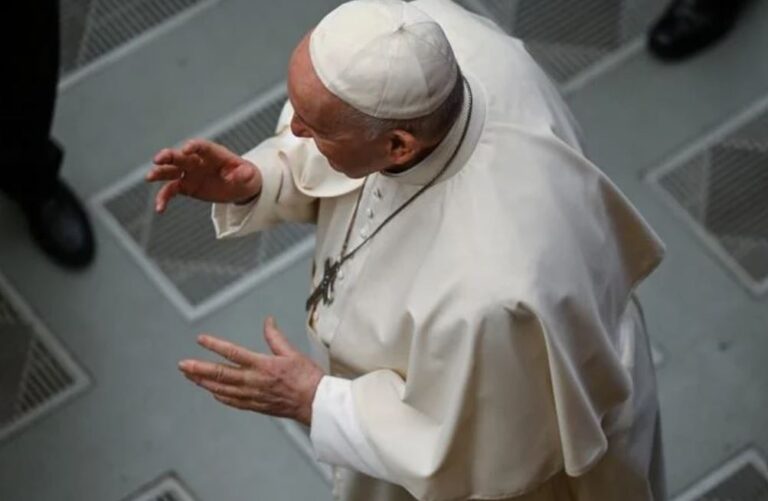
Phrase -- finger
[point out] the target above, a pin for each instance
(225, 390)
(164, 156)
(166, 193)
(177, 158)
(233, 402)
(219, 373)
(169, 156)
(164, 173)
(230, 351)
(208, 151)
(277, 342)
(250, 405)
(243, 173)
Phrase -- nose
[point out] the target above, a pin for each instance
(298, 128)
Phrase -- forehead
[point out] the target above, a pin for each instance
(309, 97)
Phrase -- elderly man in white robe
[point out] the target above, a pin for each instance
(472, 306)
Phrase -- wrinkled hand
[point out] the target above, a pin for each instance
(203, 170)
(282, 385)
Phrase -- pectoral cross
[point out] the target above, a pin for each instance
(324, 289)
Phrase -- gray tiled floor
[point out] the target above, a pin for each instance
(140, 420)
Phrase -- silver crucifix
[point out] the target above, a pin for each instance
(324, 289)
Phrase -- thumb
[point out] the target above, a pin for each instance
(241, 174)
(277, 342)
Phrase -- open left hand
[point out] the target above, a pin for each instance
(282, 384)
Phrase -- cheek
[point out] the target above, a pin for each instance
(328, 150)
(350, 157)
(359, 152)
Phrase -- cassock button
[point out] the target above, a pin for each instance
(364, 233)
(340, 275)
(369, 213)
(377, 193)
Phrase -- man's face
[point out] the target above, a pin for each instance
(316, 116)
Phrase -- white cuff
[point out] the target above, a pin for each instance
(336, 434)
(230, 220)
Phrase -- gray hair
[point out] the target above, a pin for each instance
(428, 127)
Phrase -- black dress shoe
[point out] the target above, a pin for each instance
(688, 26)
(61, 228)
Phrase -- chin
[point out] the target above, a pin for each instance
(354, 175)
(347, 172)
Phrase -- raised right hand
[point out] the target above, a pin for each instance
(203, 170)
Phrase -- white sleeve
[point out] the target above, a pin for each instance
(280, 199)
(336, 434)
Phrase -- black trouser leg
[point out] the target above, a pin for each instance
(29, 158)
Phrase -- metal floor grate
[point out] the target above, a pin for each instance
(743, 478)
(36, 373)
(573, 40)
(720, 186)
(166, 488)
(179, 249)
(91, 29)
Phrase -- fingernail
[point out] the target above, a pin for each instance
(184, 365)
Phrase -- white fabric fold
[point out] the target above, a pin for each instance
(336, 435)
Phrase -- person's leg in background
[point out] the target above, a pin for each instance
(29, 159)
(688, 26)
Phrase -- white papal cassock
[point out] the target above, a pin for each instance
(486, 343)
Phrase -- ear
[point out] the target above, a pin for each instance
(403, 147)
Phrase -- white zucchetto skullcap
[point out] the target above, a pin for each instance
(385, 58)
